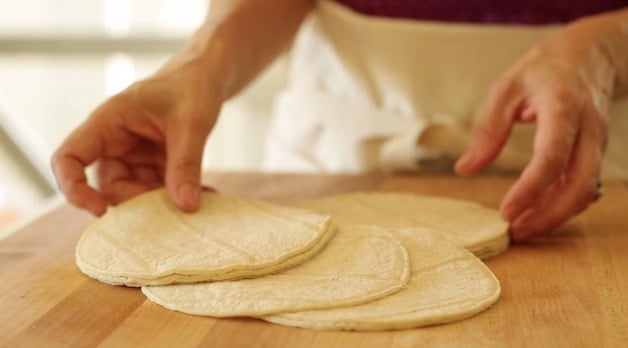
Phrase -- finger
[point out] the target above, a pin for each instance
(119, 183)
(185, 143)
(556, 132)
(146, 153)
(493, 130)
(568, 197)
(68, 165)
(146, 174)
(122, 190)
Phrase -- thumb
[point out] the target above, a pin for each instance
(184, 152)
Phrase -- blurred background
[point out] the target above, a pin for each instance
(60, 58)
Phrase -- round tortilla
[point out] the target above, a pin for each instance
(468, 224)
(360, 264)
(447, 283)
(148, 241)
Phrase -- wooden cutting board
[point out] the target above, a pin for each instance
(567, 289)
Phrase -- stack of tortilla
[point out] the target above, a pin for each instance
(360, 261)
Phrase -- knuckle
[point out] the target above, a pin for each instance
(500, 87)
(197, 121)
(73, 189)
(552, 163)
(187, 165)
(484, 131)
(570, 132)
(565, 104)
(55, 159)
(565, 97)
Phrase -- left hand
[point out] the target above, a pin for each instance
(565, 86)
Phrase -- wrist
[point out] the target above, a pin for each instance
(602, 38)
(205, 58)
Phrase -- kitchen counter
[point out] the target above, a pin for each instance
(566, 289)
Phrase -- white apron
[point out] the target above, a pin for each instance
(368, 93)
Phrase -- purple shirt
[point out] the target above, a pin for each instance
(486, 11)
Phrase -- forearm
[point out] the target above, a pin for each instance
(604, 38)
(238, 39)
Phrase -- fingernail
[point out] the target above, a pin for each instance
(520, 228)
(189, 196)
(510, 212)
(524, 217)
(518, 235)
(465, 160)
(97, 210)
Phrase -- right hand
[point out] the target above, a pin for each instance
(150, 135)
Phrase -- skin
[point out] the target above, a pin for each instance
(153, 133)
(565, 85)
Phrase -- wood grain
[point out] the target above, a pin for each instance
(564, 290)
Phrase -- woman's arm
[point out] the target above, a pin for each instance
(239, 38)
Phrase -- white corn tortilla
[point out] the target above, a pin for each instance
(447, 283)
(360, 264)
(147, 240)
(471, 225)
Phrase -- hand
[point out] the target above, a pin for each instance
(151, 134)
(564, 85)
